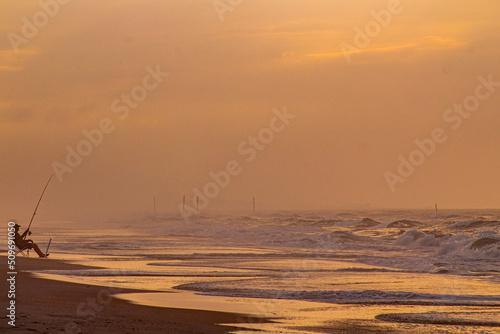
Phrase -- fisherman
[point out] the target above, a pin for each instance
(23, 244)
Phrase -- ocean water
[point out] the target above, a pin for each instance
(312, 272)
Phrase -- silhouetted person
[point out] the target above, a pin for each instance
(23, 244)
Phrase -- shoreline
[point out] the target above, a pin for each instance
(49, 306)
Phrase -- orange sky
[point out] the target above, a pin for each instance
(353, 120)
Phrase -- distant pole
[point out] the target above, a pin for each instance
(254, 204)
(183, 203)
(436, 206)
(197, 204)
(154, 204)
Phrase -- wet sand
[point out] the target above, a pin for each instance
(47, 306)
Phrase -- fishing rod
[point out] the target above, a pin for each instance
(34, 213)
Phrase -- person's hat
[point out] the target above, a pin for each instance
(17, 225)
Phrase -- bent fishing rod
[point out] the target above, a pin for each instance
(34, 213)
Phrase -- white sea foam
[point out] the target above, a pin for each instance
(448, 242)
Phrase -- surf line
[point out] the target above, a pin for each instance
(249, 149)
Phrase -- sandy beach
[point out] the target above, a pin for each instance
(47, 306)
